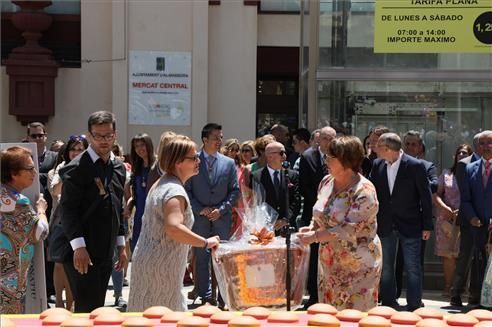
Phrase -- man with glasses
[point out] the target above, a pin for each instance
(36, 133)
(92, 218)
(213, 193)
(312, 169)
(279, 186)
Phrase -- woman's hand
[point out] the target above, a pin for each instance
(213, 242)
(308, 237)
(41, 204)
(449, 213)
(305, 229)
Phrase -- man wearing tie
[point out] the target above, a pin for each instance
(405, 216)
(312, 169)
(476, 201)
(213, 193)
(281, 186)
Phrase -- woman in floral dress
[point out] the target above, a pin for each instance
(22, 225)
(344, 223)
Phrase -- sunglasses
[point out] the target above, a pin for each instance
(77, 137)
(37, 136)
(281, 152)
(246, 150)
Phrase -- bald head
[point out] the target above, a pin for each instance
(326, 134)
(275, 154)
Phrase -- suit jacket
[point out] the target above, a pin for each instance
(48, 163)
(79, 191)
(460, 179)
(409, 208)
(287, 202)
(221, 193)
(476, 201)
(431, 171)
(311, 172)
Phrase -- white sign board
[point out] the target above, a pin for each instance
(159, 88)
(36, 283)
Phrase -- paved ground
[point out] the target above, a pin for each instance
(432, 299)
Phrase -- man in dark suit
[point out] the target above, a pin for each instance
(36, 133)
(94, 182)
(413, 145)
(213, 193)
(280, 186)
(312, 169)
(405, 216)
(467, 261)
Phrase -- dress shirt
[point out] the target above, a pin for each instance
(79, 242)
(392, 170)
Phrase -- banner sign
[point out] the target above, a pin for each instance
(36, 301)
(160, 88)
(433, 26)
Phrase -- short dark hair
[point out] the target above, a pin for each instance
(11, 161)
(391, 140)
(207, 129)
(414, 134)
(379, 130)
(348, 150)
(101, 117)
(36, 124)
(302, 134)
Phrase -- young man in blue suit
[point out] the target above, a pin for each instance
(476, 201)
(405, 216)
(213, 193)
(466, 262)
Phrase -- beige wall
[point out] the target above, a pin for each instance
(223, 41)
(279, 30)
(232, 68)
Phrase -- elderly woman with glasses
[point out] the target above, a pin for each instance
(22, 226)
(344, 223)
(159, 260)
(75, 145)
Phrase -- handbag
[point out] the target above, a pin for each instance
(59, 248)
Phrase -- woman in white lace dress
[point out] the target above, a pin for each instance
(159, 260)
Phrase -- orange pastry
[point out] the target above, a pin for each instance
(156, 312)
(323, 319)
(374, 321)
(322, 308)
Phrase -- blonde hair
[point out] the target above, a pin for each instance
(174, 151)
(165, 138)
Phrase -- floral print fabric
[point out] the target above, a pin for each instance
(350, 263)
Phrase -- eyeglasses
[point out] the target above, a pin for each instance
(37, 136)
(246, 150)
(107, 137)
(77, 137)
(194, 158)
(281, 152)
(29, 168)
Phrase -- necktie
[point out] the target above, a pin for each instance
(323, 166)
(210, 167)
(486, 173)
(276, 181)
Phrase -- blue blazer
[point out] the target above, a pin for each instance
(476, 201)
(220, 193)
(409, 208)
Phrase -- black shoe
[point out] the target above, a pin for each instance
(209, 300)
(456, 301)
(125, 282)
(51, 299)
(120, 302)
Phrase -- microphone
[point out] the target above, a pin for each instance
(285, 164)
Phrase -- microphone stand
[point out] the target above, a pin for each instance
(287, 230)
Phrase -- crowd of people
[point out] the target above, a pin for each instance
(366, 209)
